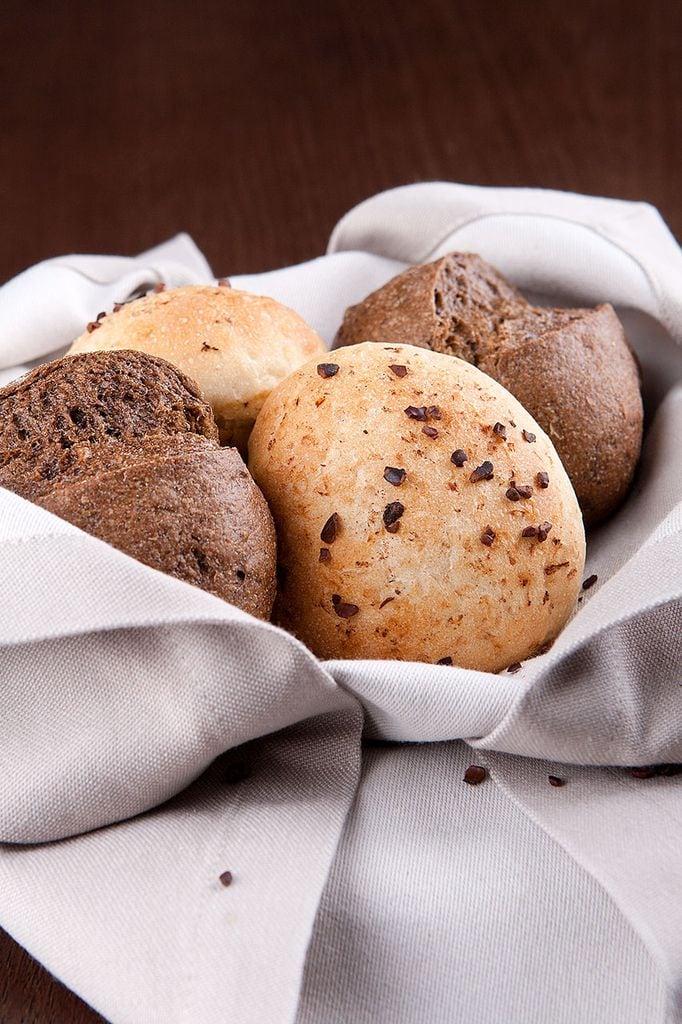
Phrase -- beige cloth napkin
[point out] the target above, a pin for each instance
(121, 687)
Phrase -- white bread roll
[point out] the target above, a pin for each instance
(390, 544)
(235, 345)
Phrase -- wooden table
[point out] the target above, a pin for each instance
(254, 127)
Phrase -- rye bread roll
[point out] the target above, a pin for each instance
(188, 509)
(75, 415)
(571, 368)
(122, 445)
(237, 346)
(421, 513)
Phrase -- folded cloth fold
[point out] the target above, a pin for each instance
(120, 685)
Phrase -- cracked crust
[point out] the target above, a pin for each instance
(571, 368)
(75, 415)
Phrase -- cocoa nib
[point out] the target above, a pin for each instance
(92, 326)
(386, 600)
(399, 371)
(325, 555)
(415, 412)
(459, 457)
(512, 493)
(444, 661)
(394, 475)
(342, 609)
(488, 536)
(392, 514)
(542, 480)
(554, 780)
(540, 532)
(226, 878)
(430, 431)
(523, 490)
(434, 413)
(500, 430)
(527, 436)
(475, 774)
(543, 530)
(514, 667)
(590, 581)
(330, 529)
(327, 369)
(482, 472)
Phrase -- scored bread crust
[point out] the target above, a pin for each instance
(236, 345)
(573, 369)
(434, 588)
(76, 415)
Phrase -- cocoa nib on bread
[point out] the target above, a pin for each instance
(571, 368)
(59, 417)
(123, 445)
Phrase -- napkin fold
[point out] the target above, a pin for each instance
(121, 686)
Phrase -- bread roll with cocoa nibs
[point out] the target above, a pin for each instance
(411, 516)
(237, 346)
(572, 368)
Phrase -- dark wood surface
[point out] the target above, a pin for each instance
(256, 126)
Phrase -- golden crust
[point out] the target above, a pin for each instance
(235, 345)
(433, 589)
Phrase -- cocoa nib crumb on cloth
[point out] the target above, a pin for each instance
(475, 775)
(572, 369)
(449, 558)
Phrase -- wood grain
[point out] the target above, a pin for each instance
(255, 126)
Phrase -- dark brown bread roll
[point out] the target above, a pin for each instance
(57, 418)
(571, 368)
(123, 445)
(191, 510)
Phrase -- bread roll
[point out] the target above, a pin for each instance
(122, 445)
(235, 345)
(571, 368)
(421, 512)
(190, 510)
(76, 415)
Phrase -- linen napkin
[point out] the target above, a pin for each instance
(121, 686)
